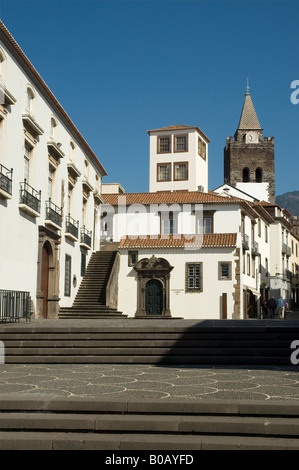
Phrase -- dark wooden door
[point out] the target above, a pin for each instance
(153, 297)
(224, 306)
(45, 280)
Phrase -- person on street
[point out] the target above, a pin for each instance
(281, 305)
(272, 306)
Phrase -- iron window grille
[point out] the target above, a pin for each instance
(72, 226)
(85, 236)
(53, 213)
(6, 179)
(30, 196)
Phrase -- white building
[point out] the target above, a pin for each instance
(193, 254)
(178, 159)
(50, 186)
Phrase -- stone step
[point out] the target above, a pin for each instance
(142, 351)
(144, 442)
(39, 341)
(176, 424)
(176, 360)
(169, 424)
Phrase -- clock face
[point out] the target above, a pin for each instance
(252, 137)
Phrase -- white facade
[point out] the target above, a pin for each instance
(217, 217)
(183, 303)
(178, 159)
(55, 175)
(259, 191)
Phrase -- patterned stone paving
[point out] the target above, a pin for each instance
(148, 382)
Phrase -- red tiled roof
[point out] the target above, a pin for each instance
(169, 197)
(179, 127)
(19, 52)
(209, 240)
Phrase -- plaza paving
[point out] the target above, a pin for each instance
(121, 381)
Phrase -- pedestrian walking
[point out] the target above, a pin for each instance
(272, 306)
(281, 305)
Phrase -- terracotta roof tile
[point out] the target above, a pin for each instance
(168, 197)
(179, 127)
(211, 240)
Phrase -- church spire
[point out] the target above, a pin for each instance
(248, 119)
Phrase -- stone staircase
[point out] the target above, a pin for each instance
(206, 343)
(90, 301)
(151, 425)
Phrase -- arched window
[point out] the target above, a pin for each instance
(246, 175)
(29, 99)
(259, 175)
(72, 152)
(2, 65)
(53, 129)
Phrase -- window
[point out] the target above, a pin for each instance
(224, 270)
(259, 175)
(2, 62)
(29, 100)
(246, 175)
(205, 222)
(259, 229)
(266, 233)
(83, 263)
(194, 277)
(267, 266)
(248, 264)
(163, 172)
(69, 199)
(168, 223)
(53, 129)
(207, 225)
(50, 181)
(132, 258)
(67, 276)
(181, 143)
(72, 152)
(164, 144)
(27, 154)
(180, 171)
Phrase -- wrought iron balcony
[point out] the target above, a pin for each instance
(284, 248)
(14, 305)
(5, 182)
(245, 241)
(30, 199)
(53, 214)
(85, 237)
(71, 228)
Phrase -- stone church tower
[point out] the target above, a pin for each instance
(248, 158)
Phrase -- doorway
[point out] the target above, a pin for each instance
(153, 297)
(45, 278)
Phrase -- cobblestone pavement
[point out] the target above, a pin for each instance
(148, 382)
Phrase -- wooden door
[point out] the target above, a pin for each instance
(153, 297)
(45, 280)
(224, 306)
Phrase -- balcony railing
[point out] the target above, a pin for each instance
(30, 197)
(85, 237)
(14, 305)
(71, 227)
(53, 213)
(6, 179)
(245, 241)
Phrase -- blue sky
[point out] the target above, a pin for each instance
(120, 68)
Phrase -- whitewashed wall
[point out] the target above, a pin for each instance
(19, 232)
(198, 168)
(202, 305)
